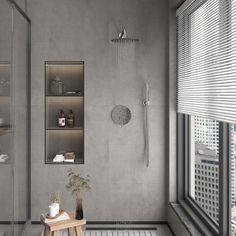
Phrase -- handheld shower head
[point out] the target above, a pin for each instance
(123, 34)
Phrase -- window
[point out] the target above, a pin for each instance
(207, 156)
(204, 153)
(207, 111)
(233, 177)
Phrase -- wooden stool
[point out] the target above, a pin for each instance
(73, 226)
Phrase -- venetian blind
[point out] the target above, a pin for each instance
(207, 59)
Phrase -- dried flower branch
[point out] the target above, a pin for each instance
(77, 184)
(56, 197)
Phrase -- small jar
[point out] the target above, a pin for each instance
(4, 86)
(56, 86)
(56, 207)
(52, 211)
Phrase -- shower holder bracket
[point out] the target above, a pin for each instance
(146, 103)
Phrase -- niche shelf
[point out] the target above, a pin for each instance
(6, 129)
(64, 90)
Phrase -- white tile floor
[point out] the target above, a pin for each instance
(162, 230)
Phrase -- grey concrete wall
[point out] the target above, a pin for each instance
(22, 4)
(123, 189)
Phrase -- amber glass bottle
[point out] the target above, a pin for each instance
(61, 121)
(71, 119)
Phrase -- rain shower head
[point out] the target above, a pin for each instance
(122, 38)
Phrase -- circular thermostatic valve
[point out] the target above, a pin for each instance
(121, 115)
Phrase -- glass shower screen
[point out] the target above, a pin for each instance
(14, 119)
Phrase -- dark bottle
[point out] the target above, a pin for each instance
(71, 119)
(61, 121)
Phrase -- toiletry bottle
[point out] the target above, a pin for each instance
(61, 119)
(71, 119)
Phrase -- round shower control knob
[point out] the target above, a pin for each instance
(121, 115)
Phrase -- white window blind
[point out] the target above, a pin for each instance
(207, 59)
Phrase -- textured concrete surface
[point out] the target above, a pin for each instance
(123, 189)
(22, 4)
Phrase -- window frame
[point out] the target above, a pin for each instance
(183, 155)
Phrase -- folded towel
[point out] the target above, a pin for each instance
(69, 160)
(58, 158)
(3, 157)
(69, 155)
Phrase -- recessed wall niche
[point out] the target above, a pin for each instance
(64, 112)
(6, 130)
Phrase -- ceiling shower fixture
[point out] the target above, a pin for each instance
(122, 38)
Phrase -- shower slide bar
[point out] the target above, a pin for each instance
(146, 103)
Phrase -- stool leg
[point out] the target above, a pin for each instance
(55, 233)
(46, 231)
(71, 232)
(78, 231)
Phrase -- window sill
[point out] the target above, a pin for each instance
(190, 220)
